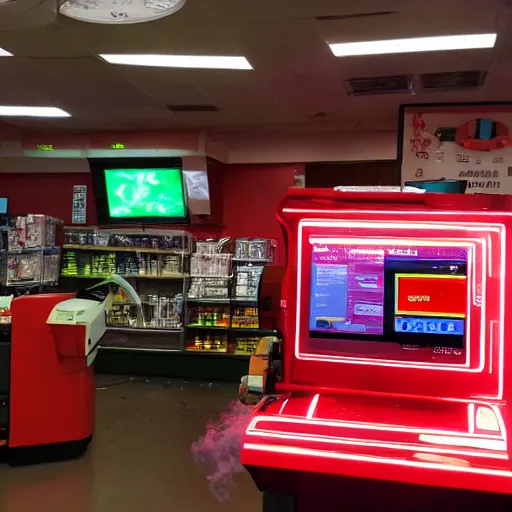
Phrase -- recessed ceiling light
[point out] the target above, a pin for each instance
(180, 61)
(418, 44)
(119, 11)
(8, 111)
(5, 53)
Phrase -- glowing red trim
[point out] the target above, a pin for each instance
(386, 362)
(387, 445)
(485, 444)
(368, 426)
(465, 226)
(291, 450)
(312, 407)
(283, 405)
(471, 418)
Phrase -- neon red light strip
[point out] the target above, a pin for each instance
(368, 426)
(373, 241)
(290, 450)
(312, 407)
(465, 226)
(387, 445)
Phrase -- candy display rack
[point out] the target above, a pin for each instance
(155, 262)
(223, 311)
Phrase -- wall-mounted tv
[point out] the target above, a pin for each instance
(139, 191)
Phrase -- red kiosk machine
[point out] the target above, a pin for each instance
(393, 373)
(48, 343)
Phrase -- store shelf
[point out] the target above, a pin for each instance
(207, 300)
(244, 260)
(235, 330)
(203, 353)
(213, 353)
(146, 338)
(20, 284)
(207, 328)
(144, 350)
(239, 301)
(108, 248)
(31, 250)
(95, 276)
(227, 302)
(194, 276)
(253, 332)
(172, 364)
(149, 330)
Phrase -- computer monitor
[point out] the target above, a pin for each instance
(412, 295)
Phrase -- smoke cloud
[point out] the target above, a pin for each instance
(218, 451)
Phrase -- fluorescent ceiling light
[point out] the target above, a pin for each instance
(414, 45)
(8, 111)
(180, 61)
(5, 53)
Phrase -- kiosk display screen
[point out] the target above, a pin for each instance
(409, 295)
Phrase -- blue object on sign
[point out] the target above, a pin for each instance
(440, 186)
(426, 325)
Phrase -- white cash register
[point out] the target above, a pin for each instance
(78, 324)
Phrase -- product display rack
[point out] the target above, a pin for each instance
(201, 303)
(226, 317)
(155, 262)
(29, 254)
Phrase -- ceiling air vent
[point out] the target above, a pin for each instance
(193, 108)
(398, 84)
(337, 17)
(452, 80)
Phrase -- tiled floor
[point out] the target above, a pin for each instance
(140, 459)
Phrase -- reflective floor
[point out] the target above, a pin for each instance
(140, 459)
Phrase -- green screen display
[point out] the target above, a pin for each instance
(142, 193)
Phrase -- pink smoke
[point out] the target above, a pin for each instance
(219, 449)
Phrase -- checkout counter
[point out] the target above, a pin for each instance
(48, 343)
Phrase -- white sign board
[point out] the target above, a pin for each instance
(466, 142)
(79, 204)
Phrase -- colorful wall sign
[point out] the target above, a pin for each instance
(470, 142)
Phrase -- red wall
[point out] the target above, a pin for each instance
(244, 201)
(244, 198)
(251, 195)
(51, 194)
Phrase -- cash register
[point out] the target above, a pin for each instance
(48, 343)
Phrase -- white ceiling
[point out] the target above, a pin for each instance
(295, 75)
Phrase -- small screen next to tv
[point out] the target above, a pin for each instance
(139, 192)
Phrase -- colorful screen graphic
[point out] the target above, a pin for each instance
(410, 295)
(139, 193)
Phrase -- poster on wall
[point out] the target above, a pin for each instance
(470, 142)
(79, 204)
